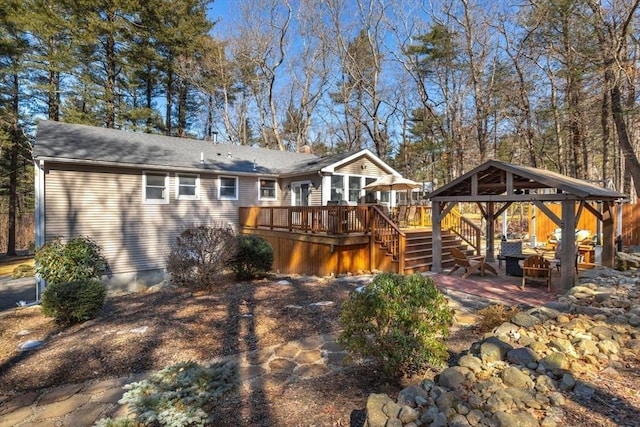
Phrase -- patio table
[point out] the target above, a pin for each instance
(512, 264)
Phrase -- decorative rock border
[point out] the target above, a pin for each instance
(519, 374)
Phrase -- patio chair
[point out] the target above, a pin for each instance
(538, 268)
(402, 215)
(411, 215)
(470, 264)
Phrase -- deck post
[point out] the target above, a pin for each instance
(436, 219)
(372, 241)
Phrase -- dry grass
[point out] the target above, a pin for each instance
(7, 268)
(495, 315)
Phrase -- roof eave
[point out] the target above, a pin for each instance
(366, 152)
(145, 166)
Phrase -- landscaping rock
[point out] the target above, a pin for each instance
(375, 415)
(514, 377)
(408, 396)
(522, 356)
(452, 377)
(493, 349)
(525, 320)
(517, 376)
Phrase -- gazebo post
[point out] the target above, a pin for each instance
(490, 231)
(568, 252)
(608, 235)
(436, 254)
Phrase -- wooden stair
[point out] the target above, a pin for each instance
(418, 254)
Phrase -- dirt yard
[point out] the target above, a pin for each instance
(182, 325)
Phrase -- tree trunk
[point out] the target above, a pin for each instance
(630, 159)
(13, 167)
(149, 99)
(183, 89)
(604, 120)
(208, 130)
(54, 96)
(169, 89)
(13, 196)
(110, 84)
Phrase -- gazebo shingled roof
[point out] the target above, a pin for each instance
(492, 180)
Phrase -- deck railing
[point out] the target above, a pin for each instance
(308, 219)
(464, 228)
(386, 233)
(354, 219)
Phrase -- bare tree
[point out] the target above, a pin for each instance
(259, 49)
(309, 74)
(612, 26)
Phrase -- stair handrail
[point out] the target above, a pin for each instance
(387, 233)
(463, 228)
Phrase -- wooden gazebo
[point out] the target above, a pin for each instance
(495, 185)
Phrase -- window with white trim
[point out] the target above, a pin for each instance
(267, 189)
(155, 188)
(354, 188)
(337, 187)
(228, 188)
(187, 187)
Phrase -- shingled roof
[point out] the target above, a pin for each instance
(491, 184)
(63, 142)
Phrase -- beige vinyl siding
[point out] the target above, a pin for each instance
(249, 193)
(316, 193)
(106, 205)
(361, 166)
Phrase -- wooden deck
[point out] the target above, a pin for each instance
(332, 240)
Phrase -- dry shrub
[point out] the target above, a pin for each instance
(495, 315)
(200, 255)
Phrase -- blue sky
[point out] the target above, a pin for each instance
(219, 10)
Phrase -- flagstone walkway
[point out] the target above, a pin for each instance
(84, 404)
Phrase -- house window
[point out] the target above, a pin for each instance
(155, 188)
(354, 188)
(267, 189)
(369, 196)
(337, 187)
(187, 187)
(228, 188)
(385, 197)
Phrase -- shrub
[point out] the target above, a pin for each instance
(399, 321)
(200, 255)
(181, 395)
(253, 256)
(495, 315)
(78, 259)
(73, 302)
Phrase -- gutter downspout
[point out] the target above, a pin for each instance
(39, 217)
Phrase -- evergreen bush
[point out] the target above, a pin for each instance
(399, 321)
(73, 302)
(200, 255)
(78, 259)
(253, 256)
(184, 394)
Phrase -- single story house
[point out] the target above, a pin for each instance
(133, 193)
